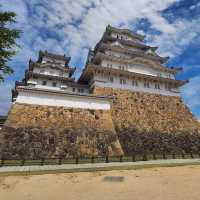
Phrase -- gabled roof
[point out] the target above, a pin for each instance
(109, 28)
(53, 55)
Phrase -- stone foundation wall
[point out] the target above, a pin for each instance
(150, 122)
(137, 123)
(43, 131)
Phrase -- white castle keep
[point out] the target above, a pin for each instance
(120, 60)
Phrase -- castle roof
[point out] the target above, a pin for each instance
(29, 74)
(33, 89)
(138, 58)
(32, 64)
(109, 29)
(53, 55)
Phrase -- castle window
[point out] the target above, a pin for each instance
(42, 71)
(80, 90)
(134, 83)
(159, 75)
(167, 87)
(146, 84)
(44, 82)
(121, 67)
(168, 76)
(54, 84)
(157, 86)
(111, 79)
(122, 81)
(73, 89)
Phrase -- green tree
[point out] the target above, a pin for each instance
(8, 43)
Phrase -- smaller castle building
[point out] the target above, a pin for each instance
(49, 81)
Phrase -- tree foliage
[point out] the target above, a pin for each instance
(8, 43)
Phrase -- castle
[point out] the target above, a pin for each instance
(125, 101)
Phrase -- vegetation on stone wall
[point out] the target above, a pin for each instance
(36, 142)
(134, 141)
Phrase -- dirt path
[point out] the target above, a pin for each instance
(175, 183)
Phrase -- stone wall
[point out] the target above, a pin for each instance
(42, 131)
(137, 123)
(150, 122)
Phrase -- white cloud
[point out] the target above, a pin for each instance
(191, 93)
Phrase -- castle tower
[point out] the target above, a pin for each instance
(144, 93)
(121, 60)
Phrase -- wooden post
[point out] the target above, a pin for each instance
(191, 154)
(42, 161)
(2, 162)
(121, 159)
(60, 161)
(183, 155)
(22, 162)
(77, 160)
(133, 158)
(107, 160)
(92, 159)
(164, 156)
(144, 158)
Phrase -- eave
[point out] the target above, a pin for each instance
(27, 88)
(32, 64)
(100, 56)
(124, 31)
(30, 74)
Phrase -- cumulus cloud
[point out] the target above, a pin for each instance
(191, 93)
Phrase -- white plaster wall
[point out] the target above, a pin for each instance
(64, 100)
(37, 83)
(51, 60)
(103, 81)
(137, 68)
(117, 54)
(124, 37)
(50, 71)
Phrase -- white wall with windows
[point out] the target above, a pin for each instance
(135, 85)
(52, 60)
(50, 71)
(124, 37)
(44, 83)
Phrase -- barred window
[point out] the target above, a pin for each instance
(111, 79)
(146, 84)
(134, 83)
(157, 86)
(54, 84)
(122, 81)
(44, 82)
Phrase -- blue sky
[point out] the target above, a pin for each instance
(71, 27)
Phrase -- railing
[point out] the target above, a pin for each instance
(85, 160)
